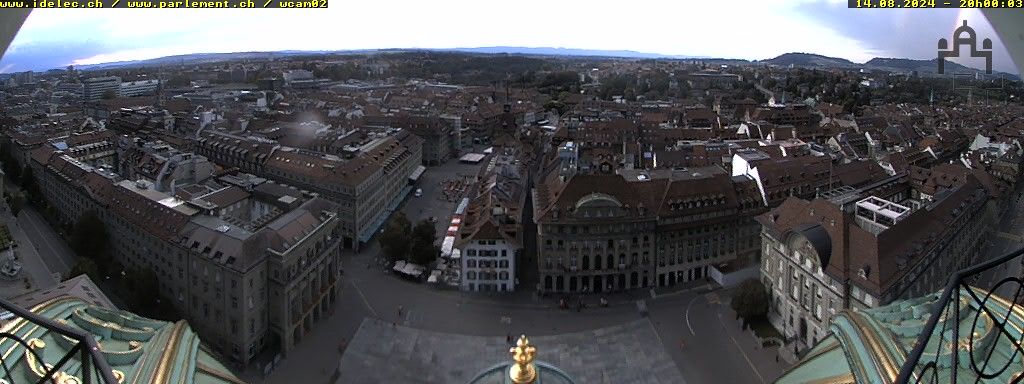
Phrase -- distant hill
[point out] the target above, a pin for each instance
(798, 59)
(199, 58)
(550, 51)
(894, 65)
(927, 67)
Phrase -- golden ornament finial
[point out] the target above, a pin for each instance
(523, 372)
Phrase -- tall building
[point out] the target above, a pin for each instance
(634, 229)
(368, 178)
(490, 235)
(24, 78)
(866, 247)
(138, 88)
(94, 88)
(252, 264)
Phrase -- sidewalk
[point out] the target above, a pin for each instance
(528, 298)
(32, 266)
(763, 359)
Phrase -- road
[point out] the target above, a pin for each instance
(40, 277)
(717, 351)
(54, 251)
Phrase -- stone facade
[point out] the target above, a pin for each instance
(249, 267)
(599, 233)
(866, 247)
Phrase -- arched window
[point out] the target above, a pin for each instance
(586, 262)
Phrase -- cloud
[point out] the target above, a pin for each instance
(747, 29)
(910, 33)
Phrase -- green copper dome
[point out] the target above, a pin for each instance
(138, 349)
(499, 374)
(871, 345)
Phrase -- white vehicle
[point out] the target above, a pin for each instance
(419, 192)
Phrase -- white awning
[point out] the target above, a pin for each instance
(461, 209)
(417, 173)
(447, 245)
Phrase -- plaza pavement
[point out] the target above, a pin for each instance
(32, 266)
(717, 351)
(385, 353)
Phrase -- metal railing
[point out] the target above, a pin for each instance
(940, 360)
(93, 366)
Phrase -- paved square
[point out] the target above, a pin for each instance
(382, 352)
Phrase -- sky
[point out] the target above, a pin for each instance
(743, 29)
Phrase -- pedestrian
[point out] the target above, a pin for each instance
(508, 338)
(399, 311)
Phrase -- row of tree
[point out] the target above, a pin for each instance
(750, 300)
(400, 240)
(90, 241)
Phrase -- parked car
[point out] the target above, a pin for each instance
(419, 192)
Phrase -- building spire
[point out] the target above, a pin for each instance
(523, 372)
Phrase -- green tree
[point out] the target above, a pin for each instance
(89, 239)
(424, 232)
(144, 288)
(423, 254)
(15, 200)
(423, 249)
(10, 164)
(750, 301)
(87, 267)
(31, 188)
(177, 81)
(395, 241)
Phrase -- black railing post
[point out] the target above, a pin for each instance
(954, 343)
(48, 376)
(86, 367)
